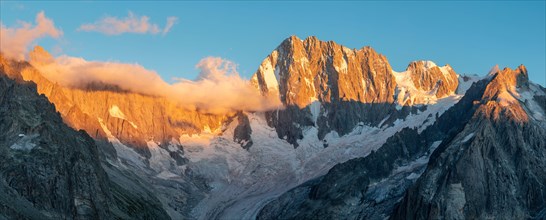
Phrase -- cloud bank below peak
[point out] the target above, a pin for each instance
(218, 89)
(133, 23)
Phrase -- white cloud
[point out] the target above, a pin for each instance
(110, 25)
(16, 40)
(171, 21)
(218, 88)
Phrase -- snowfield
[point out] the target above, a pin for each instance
(244, 181)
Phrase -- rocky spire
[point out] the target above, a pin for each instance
(427, 76)
(502, 93)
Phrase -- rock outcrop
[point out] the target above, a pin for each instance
(480, 159)
(132, 118)
(330, 86)
(370, 187)
(426, 76)
(313, 70)
(495, 167)
(50, 171)
(242, 133)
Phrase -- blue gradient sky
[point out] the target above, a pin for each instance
(470, 36)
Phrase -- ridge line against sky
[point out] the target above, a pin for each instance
(172, 37)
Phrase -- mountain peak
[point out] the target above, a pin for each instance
(40, 55)
(523, 70)
(429, 64)
(291, 39)
(311, 38)
(426, 64)
(502, 93)
(427, 77)
(494, 70)
(310, 70)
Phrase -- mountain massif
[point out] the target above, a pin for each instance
(354, 139)
(51, 171)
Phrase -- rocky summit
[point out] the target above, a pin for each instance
(353, 139)
(330, 86)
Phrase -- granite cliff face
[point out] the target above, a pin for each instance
(50, 171)
(426, 76)
(333, 87)
(312, 70)
(132, 118)
(132, 157)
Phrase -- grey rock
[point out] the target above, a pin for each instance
(50, 171)
(493, 169)
(243, 131)
(369, 188)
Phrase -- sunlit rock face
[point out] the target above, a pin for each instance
(426, 76)
(330, 86)
(502, 94)
(303, 71)
(132, 118)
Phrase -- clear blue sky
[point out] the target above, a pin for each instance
(470, 36)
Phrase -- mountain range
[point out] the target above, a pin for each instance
(353, 139)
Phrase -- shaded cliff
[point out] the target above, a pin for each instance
(49, 170)
(480, 159)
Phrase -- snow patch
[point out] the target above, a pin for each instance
(25, 143)
(122, 151)
(429, 64)
(270, 78)
(408, 94)
(465, 85)
(504, 98)
(467, 137)
(160, 159)
(413, 176)
(314, 107)
(421, 161)
(445, 71)
(343, 67)
(532, 108)
(347, 50)
(433, 147)
(165, 174)
(117, 113)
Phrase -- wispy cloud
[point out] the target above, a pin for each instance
(16, 40)
(171, 21)
(133, 23)
(218, 88)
